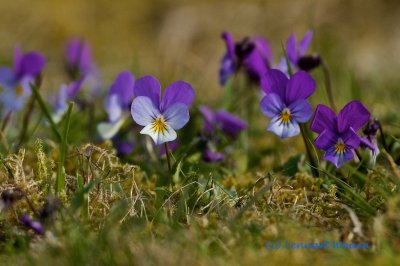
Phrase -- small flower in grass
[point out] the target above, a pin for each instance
(285, 101)
(297, 56)
(338, 133)
(161, 116)
(78, 59)
(35, 226)
(253, 54)
(369, 140)
(212, 156)
(16, 81)
(117, 102)
(65, 93)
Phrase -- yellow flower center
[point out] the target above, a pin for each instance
(340, 146)
(19, 90)
(285, 116)
(159, 125)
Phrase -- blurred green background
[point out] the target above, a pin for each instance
(180, 39)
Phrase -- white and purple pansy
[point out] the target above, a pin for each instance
(285, 101)
(161, 115)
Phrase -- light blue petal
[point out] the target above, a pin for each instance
(271, 105)
(284, 130)
(113, 107)
(176, 115)
(109, 130)
(143, 111)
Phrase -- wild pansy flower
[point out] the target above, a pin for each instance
(296, 52)
(338, 133)
(78, 59)
(285, 101)
(253, 54)
(161, 116)
(223, 121)
(65, 93)
(228, 123)
(31, 224)
(369, 140)
(117, 102)
(16, 81)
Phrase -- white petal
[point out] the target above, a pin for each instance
(283, 130)
(167, 135)
(108, 130)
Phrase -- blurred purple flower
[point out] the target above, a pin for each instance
(296, 52)
(161, 116)
(78, 58)
(370, 139)
(31, 224)
(338, 133)
(285, 101)
(228, 123)
(123, 147)
(211, 156)
(16, 81)
(253, 54)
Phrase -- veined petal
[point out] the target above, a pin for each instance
(351, 138)
(301, 111)
(305, 43)
(143, 111)
(326, 140)
(177, 92)
(354, 115)
(338, 159)
(271, 105)
(150, 87)
(283, 130)
(324, 118)
(176, 116)
(274, 81)
(300, 86)
(168, 134)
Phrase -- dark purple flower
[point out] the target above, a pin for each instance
(253, 54)
(338, 133)
(369, 140)
(211, 156)
(296, 52)
(16, 81)
(78, 58)
(228, 123)
(31, 224)
(285, 101)
(161, 116)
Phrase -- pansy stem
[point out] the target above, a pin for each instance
(167, 152)
(328, 85)
(314, 166)
(6, 120)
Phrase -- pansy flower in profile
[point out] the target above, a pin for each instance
(338, 133)
(297, 54)
(78, 58)
(118, 101)
(161, 115)
(369, 140)
(219, 121)
(285, 101)
(16, 81)
(253, 54)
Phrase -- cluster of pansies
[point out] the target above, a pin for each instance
(161, 114)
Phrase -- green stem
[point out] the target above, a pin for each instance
(25, 121)
(60, 181)
(6, 121)
(167, 152)
(328, 85)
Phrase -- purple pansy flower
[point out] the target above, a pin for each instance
(161, 116)
(211, 156)
(16, 81)
(285, 101)
(370, 139)
(228, 123)
(296, 52)
(338, 133)
(65, 93)
(31, 224)
(253, 54)
(123, 147)
(78, 58)
(117, 102)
